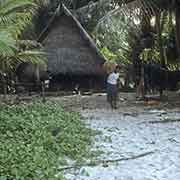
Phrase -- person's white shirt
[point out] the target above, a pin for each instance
(113, 78)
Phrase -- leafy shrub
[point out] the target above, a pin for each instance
(36, 138)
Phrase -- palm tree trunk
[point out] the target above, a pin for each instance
(159, 34)
(177, 17)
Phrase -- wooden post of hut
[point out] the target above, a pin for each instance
(43, 91)
(17, 89)
(4, 81)
(91, 85)
(140, 88)
(37, 75)
(4, 86)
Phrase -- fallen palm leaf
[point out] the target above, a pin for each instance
(165, 121)
(105, 162)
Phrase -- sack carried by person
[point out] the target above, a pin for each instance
(109, 66)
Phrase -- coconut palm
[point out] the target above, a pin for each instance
(161, 11)
(15, 17)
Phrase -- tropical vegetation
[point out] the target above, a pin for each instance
(16, 44)
(133, 28)
(36, 139)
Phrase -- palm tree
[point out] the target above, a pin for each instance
(15, 17)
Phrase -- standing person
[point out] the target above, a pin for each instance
(112, 87)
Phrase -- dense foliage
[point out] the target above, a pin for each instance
(36, 138)
(16, 17)
(112, 21)
(131, 27)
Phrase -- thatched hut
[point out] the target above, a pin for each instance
(72, 55)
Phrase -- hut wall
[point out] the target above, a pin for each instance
(68, 52)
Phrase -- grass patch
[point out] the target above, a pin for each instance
(35, 140)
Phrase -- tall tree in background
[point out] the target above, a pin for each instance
(92, 13)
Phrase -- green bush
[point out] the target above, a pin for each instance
(36, 138)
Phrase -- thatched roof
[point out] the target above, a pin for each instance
(70, 49)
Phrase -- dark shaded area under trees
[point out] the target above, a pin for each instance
(144, 42)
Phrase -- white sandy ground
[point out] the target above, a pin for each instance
(126, 134)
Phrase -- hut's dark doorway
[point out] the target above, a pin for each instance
(83, 82)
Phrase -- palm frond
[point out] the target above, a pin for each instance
(42, 3)
(11, 9)
(33, 56)
(7, 45)
(29, 44)
(15, 18)
(10, 6)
